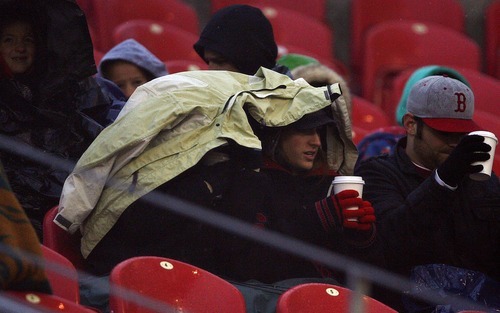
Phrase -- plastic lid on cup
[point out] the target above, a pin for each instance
(348, 180)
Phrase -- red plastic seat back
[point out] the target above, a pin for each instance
(165, 41)
(166, 282)
(315, 9)
(291, 27)
(366, 14)
(111, 13)
(486, 90)
(42, 302)
(62, 275)
(317, 297)
(176, 66)
(492, 39)
(392, 47)
(57, 239)
(367, 115)
(359, 134)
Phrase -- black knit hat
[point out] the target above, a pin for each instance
(242, 35)
(313, 120)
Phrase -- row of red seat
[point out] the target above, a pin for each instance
(151, 284)
(155, 284)
(387, 36)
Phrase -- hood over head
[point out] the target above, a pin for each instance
(133, 52)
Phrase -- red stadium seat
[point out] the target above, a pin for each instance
(315, 9)
(317, 297)
(492, 39)
(359, 134)
(367, 115)
(61, 241)
(392, 47)
(41, 302)
(141, 284)
(486, 90)
(167, 42)
(111, 13)
(176, 66)
(294, 28)
(291, 28)
(62, 275)
(366, 14)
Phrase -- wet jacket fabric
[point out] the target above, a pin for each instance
(421, 222)
(170, 123)
(59, 112)
(132, 51)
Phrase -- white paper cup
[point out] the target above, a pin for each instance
(341, 183)
(491, 140)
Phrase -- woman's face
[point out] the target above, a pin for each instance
(17, 47)
(299, 148)
(127, 76)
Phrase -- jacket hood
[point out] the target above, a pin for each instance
(132, 51)
(318, 74)
(418, 75)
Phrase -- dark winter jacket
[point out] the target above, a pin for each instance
(276, 200)
(421, 222)
(60, 110)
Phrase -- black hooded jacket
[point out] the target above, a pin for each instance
(59, 109)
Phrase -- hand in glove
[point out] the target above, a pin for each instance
(335, 207)
(459, 163)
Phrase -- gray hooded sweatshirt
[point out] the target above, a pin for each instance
(132, 51)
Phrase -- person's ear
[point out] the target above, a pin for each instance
(410, 124)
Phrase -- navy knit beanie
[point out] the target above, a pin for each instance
(242, 35)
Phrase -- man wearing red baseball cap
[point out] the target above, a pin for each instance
(428, 209)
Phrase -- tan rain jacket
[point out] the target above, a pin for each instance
(170, 123)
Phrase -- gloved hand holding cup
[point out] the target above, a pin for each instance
(491, 140)
(341, 183)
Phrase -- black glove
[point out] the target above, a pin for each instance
(459, 163)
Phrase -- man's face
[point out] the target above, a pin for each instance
(216, 61)
(429, 147)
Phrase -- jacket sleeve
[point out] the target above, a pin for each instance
(83, 187)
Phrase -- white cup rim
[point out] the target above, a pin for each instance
(485, 133)
(348, 179)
